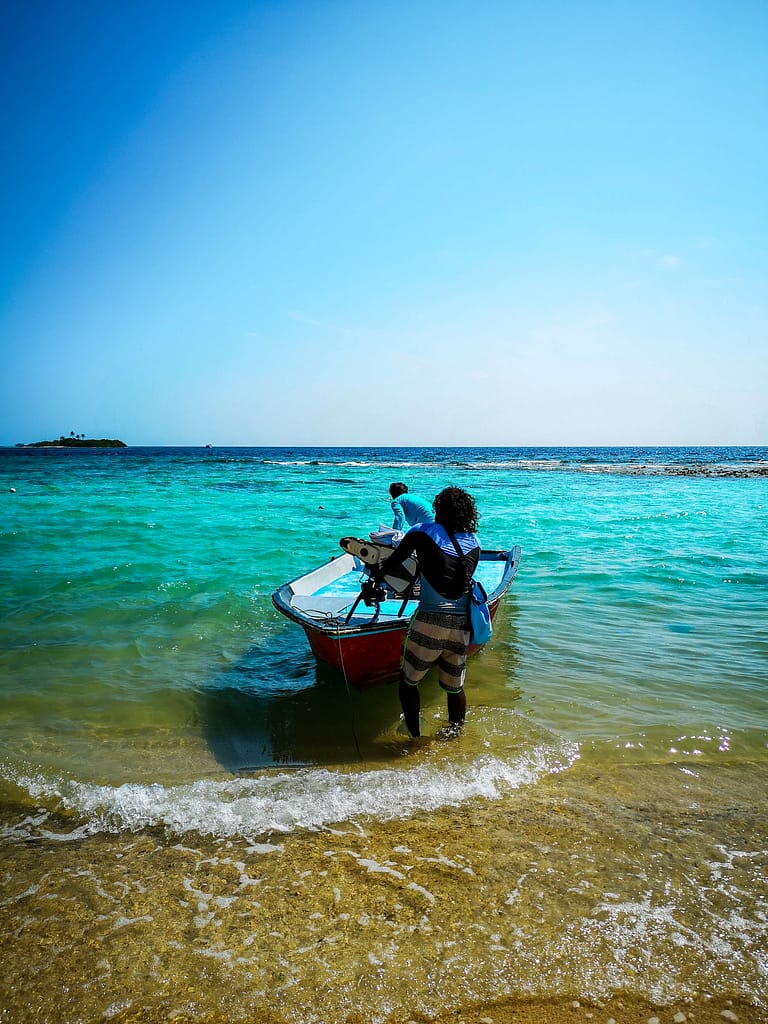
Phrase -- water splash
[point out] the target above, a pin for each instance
(284, 802)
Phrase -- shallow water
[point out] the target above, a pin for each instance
(199, 819)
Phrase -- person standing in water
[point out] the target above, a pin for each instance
(408, 509)
(448, 552)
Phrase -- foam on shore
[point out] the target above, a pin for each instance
(284, 802)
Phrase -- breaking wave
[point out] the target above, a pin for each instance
(275, 802)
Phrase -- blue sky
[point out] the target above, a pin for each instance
(384, 223)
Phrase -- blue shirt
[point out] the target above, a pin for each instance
(410, 509)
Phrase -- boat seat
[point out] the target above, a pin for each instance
(322, 606)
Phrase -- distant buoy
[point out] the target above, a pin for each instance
(13, 490)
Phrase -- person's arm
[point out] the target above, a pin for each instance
(399, 523)
(408, 546)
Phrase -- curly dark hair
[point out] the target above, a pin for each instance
(456, 510)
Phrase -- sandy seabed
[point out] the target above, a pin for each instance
(418, 920)
(621, 1010)
(624, 1010)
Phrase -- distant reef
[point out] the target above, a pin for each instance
(77, 441)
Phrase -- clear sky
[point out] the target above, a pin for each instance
(510, 222)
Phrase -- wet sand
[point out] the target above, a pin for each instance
(621, 1010)
(470, 914)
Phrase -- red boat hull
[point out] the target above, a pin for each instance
(364, 660)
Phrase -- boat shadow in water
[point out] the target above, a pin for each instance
(278, 706)
(276, 709)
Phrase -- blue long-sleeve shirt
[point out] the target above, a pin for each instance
(410, 509)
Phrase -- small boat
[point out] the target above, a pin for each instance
(358, 627)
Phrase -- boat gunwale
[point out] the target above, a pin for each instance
(332, 627)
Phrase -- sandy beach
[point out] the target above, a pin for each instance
(620, 1010)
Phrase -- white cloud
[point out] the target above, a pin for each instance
(670, 262)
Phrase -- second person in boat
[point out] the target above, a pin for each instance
(408, 509)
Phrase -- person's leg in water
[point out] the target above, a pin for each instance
(457, 707)
(419, 653)
(452, 667)
(411, 705)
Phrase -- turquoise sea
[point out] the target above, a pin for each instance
(198, 822)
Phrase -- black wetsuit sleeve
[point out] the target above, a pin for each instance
(407, 546)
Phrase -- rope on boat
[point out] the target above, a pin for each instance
(349, 689)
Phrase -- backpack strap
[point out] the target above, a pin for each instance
(455, 543)
(462, 558)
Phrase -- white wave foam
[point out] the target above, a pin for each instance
(288, 802)
(358, 463)
(553, 463)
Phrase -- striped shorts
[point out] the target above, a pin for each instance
(436, 638)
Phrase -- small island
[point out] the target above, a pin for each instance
(76, 441)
